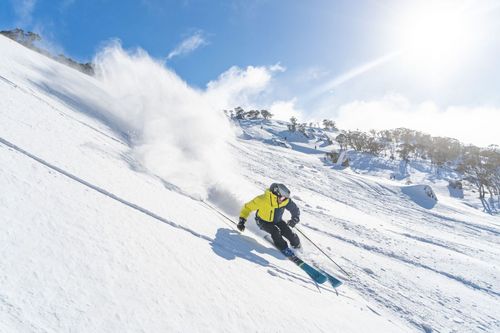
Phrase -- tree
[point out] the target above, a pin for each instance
(387, 139)
(422, 146)
(444, 149)
(252, 114)
(491, 160)
(374, 146)
(292, 127)
(342, 141)
(302, 128)
(329, 125)
(405, 150)
(473, 168)
(239, 112)
(266, 114)
(357, 140)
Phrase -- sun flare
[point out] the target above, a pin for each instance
(438, 36)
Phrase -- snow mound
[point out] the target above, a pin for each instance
(422, 195)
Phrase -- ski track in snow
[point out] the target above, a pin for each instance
(392, 255)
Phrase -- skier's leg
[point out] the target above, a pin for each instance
(275, 232)
(289, 234)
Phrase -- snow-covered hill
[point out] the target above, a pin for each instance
(104, 227)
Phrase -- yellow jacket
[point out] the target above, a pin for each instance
(268, 208)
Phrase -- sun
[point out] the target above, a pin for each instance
(433, 32)
(436, 37)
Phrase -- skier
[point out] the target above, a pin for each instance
(270, 207)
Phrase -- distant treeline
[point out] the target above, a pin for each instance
(240, 113)
(479, 166)
(29, 39)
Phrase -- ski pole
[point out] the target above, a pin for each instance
(218, 212)
(322, 251)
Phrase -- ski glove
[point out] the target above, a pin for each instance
(241, 224)
(293, 222)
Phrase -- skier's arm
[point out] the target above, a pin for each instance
(249, 207)
(294, 210)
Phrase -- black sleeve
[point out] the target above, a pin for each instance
(293, 209)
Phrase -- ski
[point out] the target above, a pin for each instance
(332, 279)
(313, 273)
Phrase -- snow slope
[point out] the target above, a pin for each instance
(434, 263)
(92, 240)
(91, 243)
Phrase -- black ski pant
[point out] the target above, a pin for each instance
(277, 231)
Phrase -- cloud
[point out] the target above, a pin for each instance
(24, 11)
(188, 45)
(240, 87)
(284, 110)
(277, 68)
(477, 125)
(251, 87)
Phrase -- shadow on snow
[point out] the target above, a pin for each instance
(240, 246)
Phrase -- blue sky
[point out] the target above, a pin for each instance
(335, 56)
(236, 32)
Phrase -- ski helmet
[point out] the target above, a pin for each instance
(280, 190)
